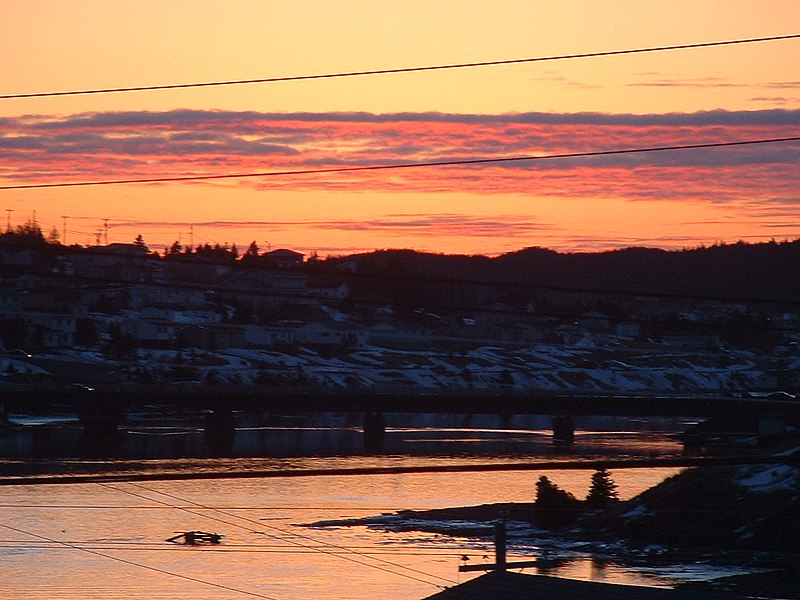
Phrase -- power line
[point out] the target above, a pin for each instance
(441, 67)
(289, 539)
(131, 563)
(411, 165)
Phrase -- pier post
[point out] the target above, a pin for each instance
(500, 545)
(220, 431)
(563, 430)
(374, 431)
(100, 431)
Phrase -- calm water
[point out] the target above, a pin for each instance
(108, 540)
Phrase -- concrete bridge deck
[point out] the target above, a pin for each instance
(297, 400)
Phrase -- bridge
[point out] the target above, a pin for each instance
(104, 408)
(300, 400)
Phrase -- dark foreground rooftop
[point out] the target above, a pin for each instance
(507, 585)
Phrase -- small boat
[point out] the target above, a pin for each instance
(193, 538)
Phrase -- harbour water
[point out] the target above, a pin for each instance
(108, 540)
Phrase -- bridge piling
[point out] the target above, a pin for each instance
(100, 435)
(374, 431)
(220, 431)
(563, 430)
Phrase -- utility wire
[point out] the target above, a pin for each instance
(411, 165)
(132, 563)
(490, 63)
(290, 535)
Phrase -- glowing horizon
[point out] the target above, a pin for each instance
(668, 200)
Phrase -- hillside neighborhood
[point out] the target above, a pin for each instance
(119, 313)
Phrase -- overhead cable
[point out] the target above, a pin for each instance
(410, 165)
(488, 63)
(132, 563)
(292, 538)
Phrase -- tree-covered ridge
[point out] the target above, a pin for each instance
(741, 270)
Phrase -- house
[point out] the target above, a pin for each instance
(53, 299)
(126, 262)
(12, 255)
(285, 259)
(213, 336)
(50, 331)
(154, 333)
(283, 333)
(265, 289)
(197, 268)
(194, 316)
(399, 337)
(329, 291)
(628, 329)
(9, 301)
(595, 322)
(693, 342)
(330, 335)
(508, 585)
(155, 295)
(256, 336)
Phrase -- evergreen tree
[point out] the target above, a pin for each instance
(603, 490)
(252, 250)
(554, 507)
(53, 237)
(28, 234)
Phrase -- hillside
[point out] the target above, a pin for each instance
(748, 507)
(752, 271)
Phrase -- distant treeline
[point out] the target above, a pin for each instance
(767, 272)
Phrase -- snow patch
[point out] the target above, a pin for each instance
(769, 479)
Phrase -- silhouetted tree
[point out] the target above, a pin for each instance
(13, 332)
(553, 506)
(251, 256)
(53, 237)
(603, 490)
(27, 234)
(120, 345)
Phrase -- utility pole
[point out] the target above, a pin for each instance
(500, 563)
(8, 225)
(64, 230)
(191, 238)
(106, 230)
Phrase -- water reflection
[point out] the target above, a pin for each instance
(264, 550)
(231, 435)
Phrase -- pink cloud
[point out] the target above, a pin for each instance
(128, 145)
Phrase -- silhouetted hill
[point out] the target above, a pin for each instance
(765, 271)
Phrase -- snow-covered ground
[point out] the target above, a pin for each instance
(605, 366)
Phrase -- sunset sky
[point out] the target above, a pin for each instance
(662, 199)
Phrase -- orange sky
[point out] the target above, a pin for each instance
(679, 97)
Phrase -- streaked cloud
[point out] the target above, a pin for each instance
(656, 79)
(508, 226)
(144, 144)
